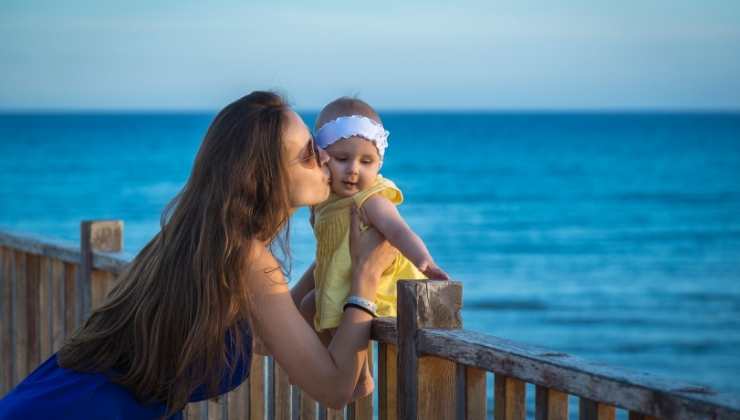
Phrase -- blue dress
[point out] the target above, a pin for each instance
(52, 392)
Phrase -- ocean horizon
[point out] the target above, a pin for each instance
(610, 235)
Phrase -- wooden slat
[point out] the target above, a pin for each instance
(308, 407)
(238, 402)
(362, 409)
(551, 404)
(33, 278)
(71, 303)
(56, 276)
(21, 317)
(509, 397)
(475, 393)
(437, 393)
(216, 408)
(332, 414)
(196, 411)
(98, 287)
(592, 410)
(282, 397)
(44, 308)
(7, 357)
(387, 388)
(257, 388)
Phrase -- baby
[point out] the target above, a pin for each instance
(352, 134)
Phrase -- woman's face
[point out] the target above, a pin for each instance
(308, 175)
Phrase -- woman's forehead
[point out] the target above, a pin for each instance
(295, 133)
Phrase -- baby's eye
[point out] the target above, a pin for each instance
(340, 158)
(367, 162)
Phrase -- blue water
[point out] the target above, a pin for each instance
(615, 237)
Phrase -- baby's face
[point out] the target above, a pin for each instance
(354, 165)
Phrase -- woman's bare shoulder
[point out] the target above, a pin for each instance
(260, 265)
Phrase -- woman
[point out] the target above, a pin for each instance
(178, 326)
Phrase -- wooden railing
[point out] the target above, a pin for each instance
(428, 367)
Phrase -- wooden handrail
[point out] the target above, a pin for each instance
(37, 288)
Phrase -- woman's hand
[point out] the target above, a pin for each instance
(371, 255)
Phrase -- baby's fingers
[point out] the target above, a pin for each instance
(436, 273)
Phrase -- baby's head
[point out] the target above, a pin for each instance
(352, 133)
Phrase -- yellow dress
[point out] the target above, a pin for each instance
(332, 274)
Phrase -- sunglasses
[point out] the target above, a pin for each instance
(310, 156)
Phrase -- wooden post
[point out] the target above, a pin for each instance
(426, 387)
(102, 236)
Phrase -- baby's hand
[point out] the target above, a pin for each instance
(433, 272)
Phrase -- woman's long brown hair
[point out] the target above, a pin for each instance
(161, 331)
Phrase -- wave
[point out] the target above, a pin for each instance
(506, 305)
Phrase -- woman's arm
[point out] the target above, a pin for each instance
(328, 375)
(304, 285)
(383, 215)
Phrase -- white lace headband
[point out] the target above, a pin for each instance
(353, 125)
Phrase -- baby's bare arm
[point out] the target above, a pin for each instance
(384, 216)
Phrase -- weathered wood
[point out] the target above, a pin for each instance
(67, 252)
(638, 416)
(384, 330)
(641, 392)
(44, 308)
(471, 394)
(20, 316)
(282, 397)
(387, 386)
(509, 397)
(426, 304)
(308, 407)
(332, 414)
(56, 277)
(95, 235)
(295, 402)
(7, 358)
(550, 404)
(99, 286)
(216, 408)
(33, 279)
(238, 402)
(197, 411)
(257, 387)
(71, 302)
(592, 410)
(362, 409)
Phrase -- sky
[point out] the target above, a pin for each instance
(397, 55)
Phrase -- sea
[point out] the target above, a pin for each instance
(611, 236)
